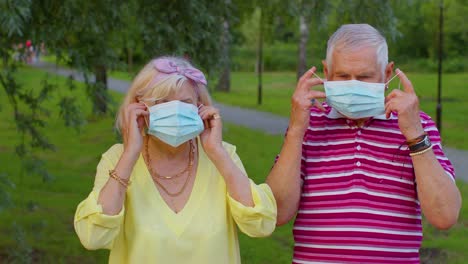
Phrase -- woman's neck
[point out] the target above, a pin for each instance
(161, 150)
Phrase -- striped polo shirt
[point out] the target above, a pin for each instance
(359, 202)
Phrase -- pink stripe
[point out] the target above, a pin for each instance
(338, 197)
(330, 216)
(363, 241)
(362, 205)
(360, 183)
(352, 258)
(357, 252)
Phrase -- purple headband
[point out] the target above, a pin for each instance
(167, 67)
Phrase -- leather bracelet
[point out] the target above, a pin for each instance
(421, 152)
(413, 141)
(113, 175)
(424, 143)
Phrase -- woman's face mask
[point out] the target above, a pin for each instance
(174, 122)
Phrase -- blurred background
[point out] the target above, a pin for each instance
(65, 66)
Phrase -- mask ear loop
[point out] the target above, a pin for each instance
(386, 84)
(318, 77)
(313, 100)
(146, 121)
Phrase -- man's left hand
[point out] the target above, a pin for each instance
(406, 104)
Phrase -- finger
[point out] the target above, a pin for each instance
(204, 110)
(306, 76)
(388, 112)
(315, 94)
(394, 94)
(407, 85)
(205, 114)
(209, 113)
(312, 82)
(390, 107)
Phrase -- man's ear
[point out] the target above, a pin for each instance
(325, 68)
(389, 71)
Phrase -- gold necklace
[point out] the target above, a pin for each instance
(155, 174)
(189, 169)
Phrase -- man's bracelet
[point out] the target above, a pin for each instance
(415, 140)
(412, 154)
(420, 145)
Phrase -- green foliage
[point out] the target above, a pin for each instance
(5, 197)
(23, 253)
(176, 28)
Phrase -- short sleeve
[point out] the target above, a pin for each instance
(431, 129)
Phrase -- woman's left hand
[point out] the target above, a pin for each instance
(211, 137)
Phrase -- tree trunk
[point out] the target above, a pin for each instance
(303, 39)
(224, 83)
(260, 59)
(100, 90)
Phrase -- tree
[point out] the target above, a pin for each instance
(84, 33)
(378, 13)
(171, 27)
(268, 11)
(224, 82)
(30, 114)
(308, 12)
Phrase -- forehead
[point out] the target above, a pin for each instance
(356, 60)
(185, 91)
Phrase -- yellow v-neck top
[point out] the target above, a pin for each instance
(148, 231)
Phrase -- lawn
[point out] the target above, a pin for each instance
(45, 210)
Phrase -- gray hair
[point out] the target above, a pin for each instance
(353, 36)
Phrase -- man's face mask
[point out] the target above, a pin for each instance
(356, 99)
(174, 122)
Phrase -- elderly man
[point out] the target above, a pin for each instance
(358, 170)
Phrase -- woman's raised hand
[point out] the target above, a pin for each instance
(212, 136)
(134, 122)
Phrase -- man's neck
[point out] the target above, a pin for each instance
(361, 122)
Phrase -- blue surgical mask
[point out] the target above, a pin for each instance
(355, 99)
(174, 122)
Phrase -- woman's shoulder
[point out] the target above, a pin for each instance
(113, 153)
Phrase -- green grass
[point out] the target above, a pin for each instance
(48, 220)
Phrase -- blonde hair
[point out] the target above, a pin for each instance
(144, 89)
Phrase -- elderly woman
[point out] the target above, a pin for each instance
(173, 192)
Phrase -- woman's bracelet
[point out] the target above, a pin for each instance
(124, 183)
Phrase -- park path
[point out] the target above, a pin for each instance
(265, 122)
